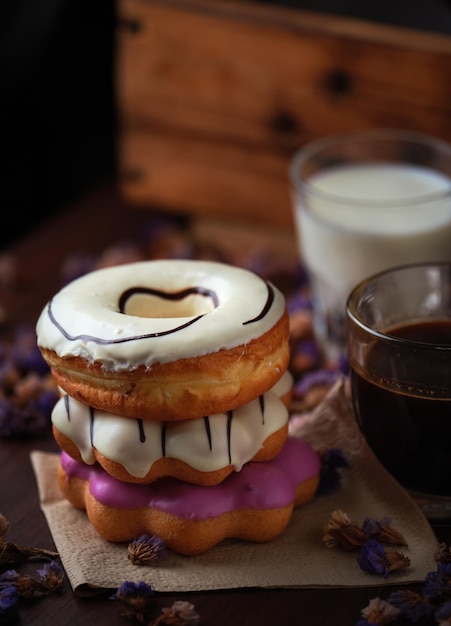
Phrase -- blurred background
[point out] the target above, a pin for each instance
(57, 94)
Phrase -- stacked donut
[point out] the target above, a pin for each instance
(173, 414)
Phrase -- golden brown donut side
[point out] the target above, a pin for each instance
(183, 389)
(173, 467)
(186, 537)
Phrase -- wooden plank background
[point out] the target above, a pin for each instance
(214, 97)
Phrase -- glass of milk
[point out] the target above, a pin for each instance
(365, 202)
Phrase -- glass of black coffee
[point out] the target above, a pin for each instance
(399, 349)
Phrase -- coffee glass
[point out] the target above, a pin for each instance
(399, 350)
(364, 202)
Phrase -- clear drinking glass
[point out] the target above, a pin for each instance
(399, 349)
(364, 202)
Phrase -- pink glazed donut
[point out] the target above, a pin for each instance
(254, 504)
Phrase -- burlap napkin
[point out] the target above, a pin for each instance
(297, 558)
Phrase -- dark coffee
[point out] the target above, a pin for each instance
(408, 429)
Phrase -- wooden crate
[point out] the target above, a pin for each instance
(214, 96)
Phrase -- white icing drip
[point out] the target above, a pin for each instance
(89, 306)
(283, 385)
(118, 438)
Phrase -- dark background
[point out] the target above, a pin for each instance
(57, 117)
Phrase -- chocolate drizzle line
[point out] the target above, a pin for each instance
(67, 407)
(91, 425)
(267, 306)
(229, 433)
(142, 434)
(99, 340)
(208, 430)
(165, 295)
(261, 400)
(179, 295)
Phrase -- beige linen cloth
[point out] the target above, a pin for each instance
(297, 558)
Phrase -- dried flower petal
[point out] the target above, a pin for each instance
(146, 549)
(373, 559)
(26, 586)
(9, 576)
(397, 561)
(136, 599)
(340, 531)
(8, 604)
(179, 614)
(379, 612)
(437, 585)
(10, 553)
(383, 531)
(411, 605)
(51, 577)
(332, 459)
(442, 554)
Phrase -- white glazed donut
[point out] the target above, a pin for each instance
(202, 451)
(166, 339)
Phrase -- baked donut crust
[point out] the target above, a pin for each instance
(183, 389)
(186, 537)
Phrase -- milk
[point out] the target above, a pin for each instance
(362, 219)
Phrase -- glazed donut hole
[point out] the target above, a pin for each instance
(154, 304)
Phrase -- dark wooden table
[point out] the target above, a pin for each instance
(89, 225)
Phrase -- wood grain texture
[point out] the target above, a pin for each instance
(214, 97)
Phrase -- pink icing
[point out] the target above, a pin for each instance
(269, 485)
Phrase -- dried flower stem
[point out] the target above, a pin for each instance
(11, 554)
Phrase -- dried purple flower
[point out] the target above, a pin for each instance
(136, 599)
(383, 531)
(437, 585)
(51, 577)
(443, 614)
(340, 531)
(8, 604)
(26, 586)
(378, 612)
(411, 605)
(305, 354)
(319, 378)
(25, 353)
(432, 606)
(179, 614)
(299, 301)
(19, 422)
(10, 553)
(373, 559)
(442, 554)
(332, 460)
(146, 549)
(8, 577)
(27, 390)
